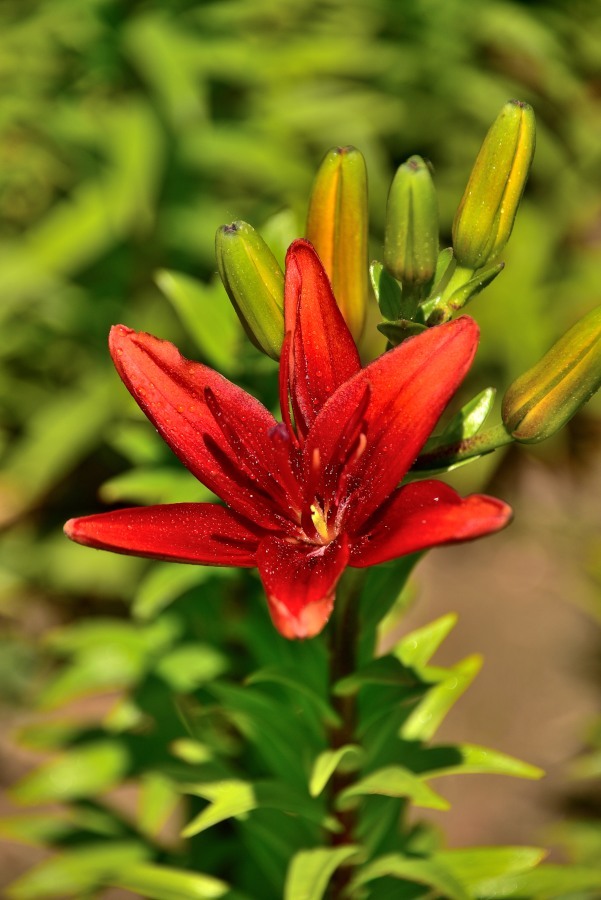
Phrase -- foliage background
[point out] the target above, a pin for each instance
(129, 131)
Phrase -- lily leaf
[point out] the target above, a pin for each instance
(81, 772)
(475, 865)
(289, 678)
(387, 291)
(417, 648)
(544, 883)
(205, 311)
(232, 798)
(327, 762)
(77, 872)
(425, 719)
(475, 760)
(310, 871)
(394, 781)
(164, 883)
(467, 422)
(423, 871)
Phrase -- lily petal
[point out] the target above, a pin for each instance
(300, 580)
(323, 354)
(218, 431)
(203, 533)
(409, 388)
(425, 514)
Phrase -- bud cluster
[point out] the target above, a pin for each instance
(417, 285)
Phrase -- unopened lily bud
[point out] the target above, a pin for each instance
(337, 224)
(487, 211)
(411, 238)
(543, 399)
(254, 282)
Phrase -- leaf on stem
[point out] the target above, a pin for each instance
(310, 871)
(327, 762)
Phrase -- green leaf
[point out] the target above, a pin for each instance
(76, 872)
(327, 762)
(207, 316)
(188, 666)
(193, 752)
(232, 798)
(157, 801)
(36, 828)
(387, 290)
(165, 582)
(395, 781)
(310, 871)
(423, 871)
(82, 772)
(147, 486)
(386, 670)
(547, 881)
(383, 589)
(475, 760)
(399, 331)
(290, 679)
(163, 883)
(475, 865)
(468, 421)
(417, 648)
(425, 719)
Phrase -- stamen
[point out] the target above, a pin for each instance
(319, 522)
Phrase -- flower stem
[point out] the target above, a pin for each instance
(439, 457)
(343, 657)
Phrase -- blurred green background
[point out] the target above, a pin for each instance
(130, 130)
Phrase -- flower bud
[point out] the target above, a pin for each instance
(488, 207)
(255, 284)
(411, 238)
(543, 399)
(337, 228)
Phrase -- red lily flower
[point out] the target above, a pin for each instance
(303, 500)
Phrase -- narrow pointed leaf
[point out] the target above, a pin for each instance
(394, 781)
(310, 871)
(290, 679)
(327, 762)
(423, 871)
(475, 865)
(491, 762)
(424, 721)
(81, 772)
(418, 647)
(164, 883)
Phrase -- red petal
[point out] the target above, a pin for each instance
(300, 580)
(323, 352)
(425, 514)
(203, 533)
(216, 429)
(410, 387)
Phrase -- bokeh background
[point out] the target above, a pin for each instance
(129, 131)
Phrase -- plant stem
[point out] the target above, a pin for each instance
(343, 656)
(439, 457)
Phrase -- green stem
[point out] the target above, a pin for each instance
(343, 660)
(438, 457)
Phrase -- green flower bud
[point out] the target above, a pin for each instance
(411, 238)
(487, 211)
(255, 284)
(337, 224)
(543, 399)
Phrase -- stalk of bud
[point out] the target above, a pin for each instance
(487, 211)
(543, 399)
(254, 282)
(337, 224)
(411, 237)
